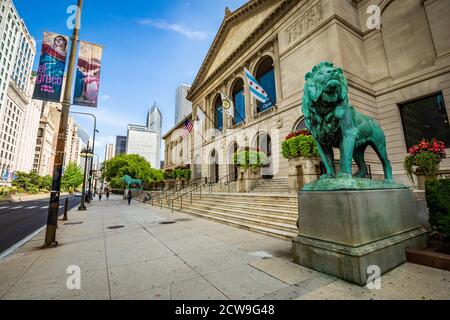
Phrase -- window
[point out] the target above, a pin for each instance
(301, 125)
(239, 101)
(218, 113)
(265, 75)
(425, 118)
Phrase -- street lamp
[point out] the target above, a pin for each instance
(85, 153)
(93, 148)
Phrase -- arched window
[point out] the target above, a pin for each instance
(301, 125)
(238, 97)
(218, 113)
(265, 74)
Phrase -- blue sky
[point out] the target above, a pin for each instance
(150, 47)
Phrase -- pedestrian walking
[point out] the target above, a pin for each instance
(100, 195)
(107, 194)
(129, 197)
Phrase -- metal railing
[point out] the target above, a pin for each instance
(227, 182)
(191, 193)
(166, 196)
(224, 180)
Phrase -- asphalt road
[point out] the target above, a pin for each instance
(19, 220)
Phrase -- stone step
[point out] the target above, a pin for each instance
(254, 196)
(239, 220)
(269, 206)
(286, 218)
(278, 204)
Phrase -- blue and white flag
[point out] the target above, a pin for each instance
(255, 88)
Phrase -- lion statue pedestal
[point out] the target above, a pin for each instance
(350, 227)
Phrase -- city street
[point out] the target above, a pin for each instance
(140, 252)
(19, 220)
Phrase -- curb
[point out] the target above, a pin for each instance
(19, 244)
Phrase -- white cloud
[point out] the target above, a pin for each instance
(106, 97)
(197, 35)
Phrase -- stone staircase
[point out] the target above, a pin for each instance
(273, 215)
(272, 186)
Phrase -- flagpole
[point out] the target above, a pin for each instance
(212, 121)
(198, 130)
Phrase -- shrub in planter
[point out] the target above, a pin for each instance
(425, 158)
(169, 174)
(253, 159)
(438, 199)
(299, 144)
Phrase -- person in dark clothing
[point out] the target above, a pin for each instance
(107, 194)
(129, 197)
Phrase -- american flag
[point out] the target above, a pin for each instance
(188, 126)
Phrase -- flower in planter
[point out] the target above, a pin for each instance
(424, 158)
(254, 159)
(299, 144)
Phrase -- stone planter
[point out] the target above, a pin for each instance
(247, 179)
(420, 180)
(170, 184)
(301, 172)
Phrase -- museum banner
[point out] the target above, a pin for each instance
(87, 81)
(52, 63)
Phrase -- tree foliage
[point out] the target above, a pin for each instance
(129, 164)
(32, 182)
(72, 178)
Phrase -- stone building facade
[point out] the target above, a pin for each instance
(177, 147)
(397, 66)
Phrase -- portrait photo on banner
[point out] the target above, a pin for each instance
(87, 82)
(52, 63)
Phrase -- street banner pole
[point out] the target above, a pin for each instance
(50, 233)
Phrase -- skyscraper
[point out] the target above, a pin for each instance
(121, 145)
(143, 142)
(154, 124)
(16, 59)
(109, 153)
(183, 107)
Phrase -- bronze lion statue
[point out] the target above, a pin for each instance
(334, 123)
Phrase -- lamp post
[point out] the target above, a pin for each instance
(84, 154)
(52, 219)
(93, 148)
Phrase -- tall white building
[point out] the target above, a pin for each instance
(154, 124)
(17, 52)
(144, 142)
(29, 130)
(183, 107)
(110, 152)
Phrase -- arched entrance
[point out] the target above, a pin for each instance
(214, 167)
(264, 144)
(232, 168)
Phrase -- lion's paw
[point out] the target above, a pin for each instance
(344, 176)
(326, 177)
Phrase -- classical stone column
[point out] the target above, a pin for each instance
(277, 68)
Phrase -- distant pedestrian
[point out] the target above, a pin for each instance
(100, 195)
(129, 197)
(107, 194)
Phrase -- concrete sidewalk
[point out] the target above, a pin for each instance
(191, 259)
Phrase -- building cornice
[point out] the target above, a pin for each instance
(199, 82)
(18, 92)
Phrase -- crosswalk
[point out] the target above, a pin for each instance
(12, 207)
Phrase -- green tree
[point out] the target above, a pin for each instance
(132, 165)
(73, 177)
